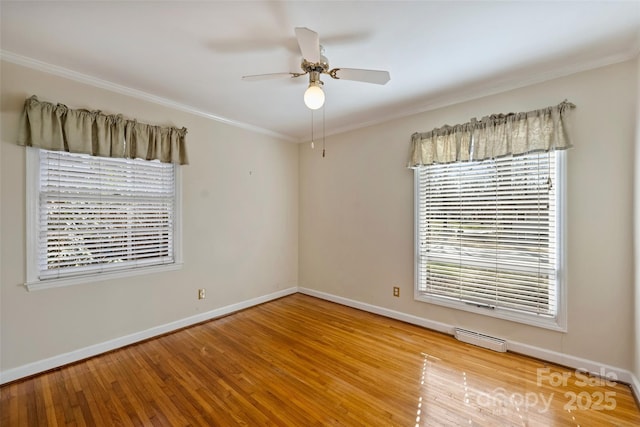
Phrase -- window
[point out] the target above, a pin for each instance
(488, 237)
(92, 218)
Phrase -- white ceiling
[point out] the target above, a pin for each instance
(194, 53)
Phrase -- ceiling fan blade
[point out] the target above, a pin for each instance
(309, 43)
(271, 76)
(368, 76)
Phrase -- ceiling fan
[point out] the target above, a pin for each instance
(314, 63)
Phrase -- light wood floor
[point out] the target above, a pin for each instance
(300, 361)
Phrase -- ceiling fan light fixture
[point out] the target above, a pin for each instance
(314, 96)
(314, 64)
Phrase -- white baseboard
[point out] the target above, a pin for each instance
(398, 315)
(93, 350)
(567, 360)
(635, 386)
(574, 362)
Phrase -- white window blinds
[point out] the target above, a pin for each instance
(486, 233)
(101, 214)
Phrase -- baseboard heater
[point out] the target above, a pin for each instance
(481, 340)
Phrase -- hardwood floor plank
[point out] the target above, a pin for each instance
(301, 361)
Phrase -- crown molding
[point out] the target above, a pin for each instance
(135, 93)
(452, 98)
(494, 88)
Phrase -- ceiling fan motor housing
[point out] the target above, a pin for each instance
(315, 64)
(315, 68)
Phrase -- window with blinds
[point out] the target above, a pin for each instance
(487, 236)
(96, 214)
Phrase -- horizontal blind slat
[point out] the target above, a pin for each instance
(486, 232)
(98, 214)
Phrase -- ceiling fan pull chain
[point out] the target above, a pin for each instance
(323, 116)
(312, 144)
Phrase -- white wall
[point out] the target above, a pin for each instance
(356, 215)
(240, 229)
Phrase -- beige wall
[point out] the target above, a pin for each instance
(240, 229)
(356, 215)
(636, 365)
(256, 209)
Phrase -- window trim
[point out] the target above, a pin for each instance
(559, 323)
(33, 283)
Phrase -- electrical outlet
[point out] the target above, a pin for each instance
(396, 291)
(201, 294)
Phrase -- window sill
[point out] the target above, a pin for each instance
(38, 285)
(556, 324)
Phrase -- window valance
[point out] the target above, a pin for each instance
(59, 128)
(494, 136)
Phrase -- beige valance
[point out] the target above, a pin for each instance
(494, 136)
(59, 128)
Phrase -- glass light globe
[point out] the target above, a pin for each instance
(314, 97)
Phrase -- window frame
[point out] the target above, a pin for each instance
(557, 323)
(33, 281)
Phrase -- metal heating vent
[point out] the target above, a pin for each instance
(481, 340)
